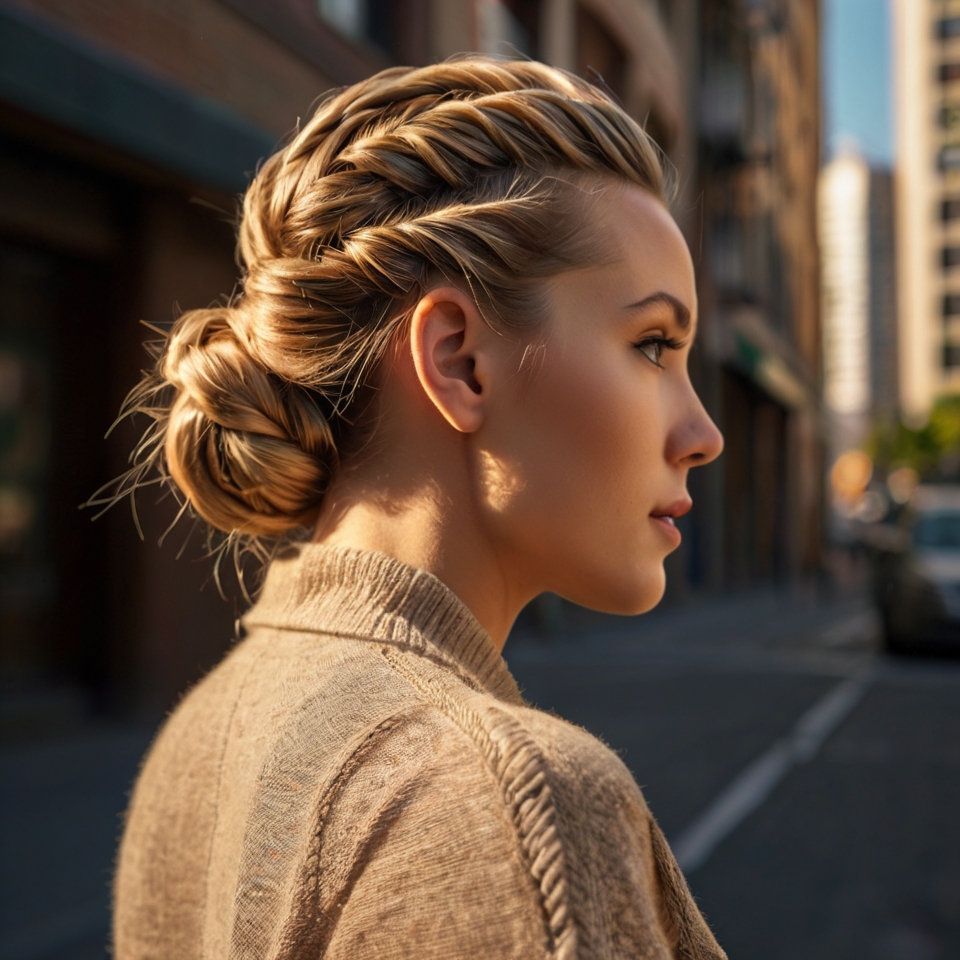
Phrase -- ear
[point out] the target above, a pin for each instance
(448, 340)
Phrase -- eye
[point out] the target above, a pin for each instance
(652, 348)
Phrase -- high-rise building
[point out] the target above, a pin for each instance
(844, 226)
(858, 277)
(927, 70)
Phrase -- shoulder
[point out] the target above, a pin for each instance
(576, 757)
(602, 818)
(567, 810)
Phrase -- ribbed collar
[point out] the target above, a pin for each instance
(370, 596)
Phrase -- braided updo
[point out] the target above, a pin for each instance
(462, 170)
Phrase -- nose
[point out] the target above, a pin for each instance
(694, 439)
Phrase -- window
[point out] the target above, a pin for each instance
(949, 72)
(951, 355)
(726, 250)
(950, 209)
(951, 305)
(938, 530)
(950, 116)
(950, 157)
(951, 256)
(948, 27)
(348, 16)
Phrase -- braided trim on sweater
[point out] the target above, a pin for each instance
(516, 763)
(310, 930)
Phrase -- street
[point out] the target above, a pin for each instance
(809, 785)
(850, 850)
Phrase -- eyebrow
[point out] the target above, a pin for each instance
(681, 311)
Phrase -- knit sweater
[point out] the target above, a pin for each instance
(360, 778)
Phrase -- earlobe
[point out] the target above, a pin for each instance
(445, 333)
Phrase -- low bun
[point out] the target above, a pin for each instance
(252, 452)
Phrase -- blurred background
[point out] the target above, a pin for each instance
(793, 708)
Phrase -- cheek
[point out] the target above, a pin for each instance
(585, 443)
(611, 435)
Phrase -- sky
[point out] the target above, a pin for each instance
(857, 65)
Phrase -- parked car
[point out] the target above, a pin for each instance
(918, 573)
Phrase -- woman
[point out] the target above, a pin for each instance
(459, 360)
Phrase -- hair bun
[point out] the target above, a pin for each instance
(252, 452)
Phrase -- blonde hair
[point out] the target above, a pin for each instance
(463, 170)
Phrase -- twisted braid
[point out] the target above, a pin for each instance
(466, 169)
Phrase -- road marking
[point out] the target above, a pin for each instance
(751, 787)
(41, 939)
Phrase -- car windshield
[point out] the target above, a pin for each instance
(938, 530)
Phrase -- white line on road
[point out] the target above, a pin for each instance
(758, 780)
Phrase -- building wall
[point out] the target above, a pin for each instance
(844, 202)
(99, 229)
(927, 72)
(758, 160)
(857, 247)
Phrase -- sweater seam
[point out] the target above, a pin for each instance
(520, 772)
(318, 928)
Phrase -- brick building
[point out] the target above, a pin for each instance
(128, 127)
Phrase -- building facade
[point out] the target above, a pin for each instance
(752, 224)
(127, 130)
(927, 70)
(860, 336)
(844, 206)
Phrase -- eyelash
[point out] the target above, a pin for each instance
(661, 344)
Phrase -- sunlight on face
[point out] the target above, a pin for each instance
(585, 461)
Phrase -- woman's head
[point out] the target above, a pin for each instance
(492, 177)
(578, 461)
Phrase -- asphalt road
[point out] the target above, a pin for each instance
(810, 784)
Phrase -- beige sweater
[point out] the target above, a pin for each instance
(360, 778)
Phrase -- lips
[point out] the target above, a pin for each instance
(676, 509)
(665, 518)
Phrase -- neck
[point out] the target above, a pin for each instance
(420, 526)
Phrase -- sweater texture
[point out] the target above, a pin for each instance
(361, 778)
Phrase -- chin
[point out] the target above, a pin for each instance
(623, 591)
